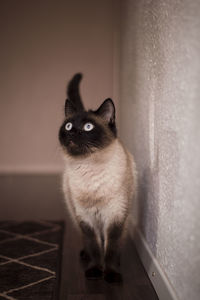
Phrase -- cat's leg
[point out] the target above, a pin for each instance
(112, 252)
(85, 256)
(93, 250)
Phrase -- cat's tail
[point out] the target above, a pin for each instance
(73, 93)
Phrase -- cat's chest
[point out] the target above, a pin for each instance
(91, 178)
(93, 181)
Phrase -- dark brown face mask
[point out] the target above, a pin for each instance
(84, 132)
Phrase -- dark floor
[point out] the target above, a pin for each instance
(136, 284)
(39, 197)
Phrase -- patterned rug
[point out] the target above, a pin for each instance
(30, 260)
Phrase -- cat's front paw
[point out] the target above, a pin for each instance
(94, 273)
(112, 276)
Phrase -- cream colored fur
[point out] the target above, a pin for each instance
(99, 188)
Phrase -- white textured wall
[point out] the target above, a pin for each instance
(43, 43)
(160, 122)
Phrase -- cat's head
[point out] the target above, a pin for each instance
(84, 132)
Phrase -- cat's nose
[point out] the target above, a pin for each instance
(72, 133)
(80, 132)
(76, 131)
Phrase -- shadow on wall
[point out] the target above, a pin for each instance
(148, 192)
(156, 193)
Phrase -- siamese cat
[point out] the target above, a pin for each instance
(99, 181)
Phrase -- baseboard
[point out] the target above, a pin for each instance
(31, 169)
(157, 276)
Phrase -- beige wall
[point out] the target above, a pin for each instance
(43, 43)
(160, 122)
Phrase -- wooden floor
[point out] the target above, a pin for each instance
(136, 285)
(39, 197)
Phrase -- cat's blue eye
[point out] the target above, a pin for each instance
(88, 126)
(68, 126)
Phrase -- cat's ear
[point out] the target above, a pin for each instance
(69, 108)
(107, 111)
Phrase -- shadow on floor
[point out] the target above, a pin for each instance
(74, 286)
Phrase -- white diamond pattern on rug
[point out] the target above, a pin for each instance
(30, 254)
